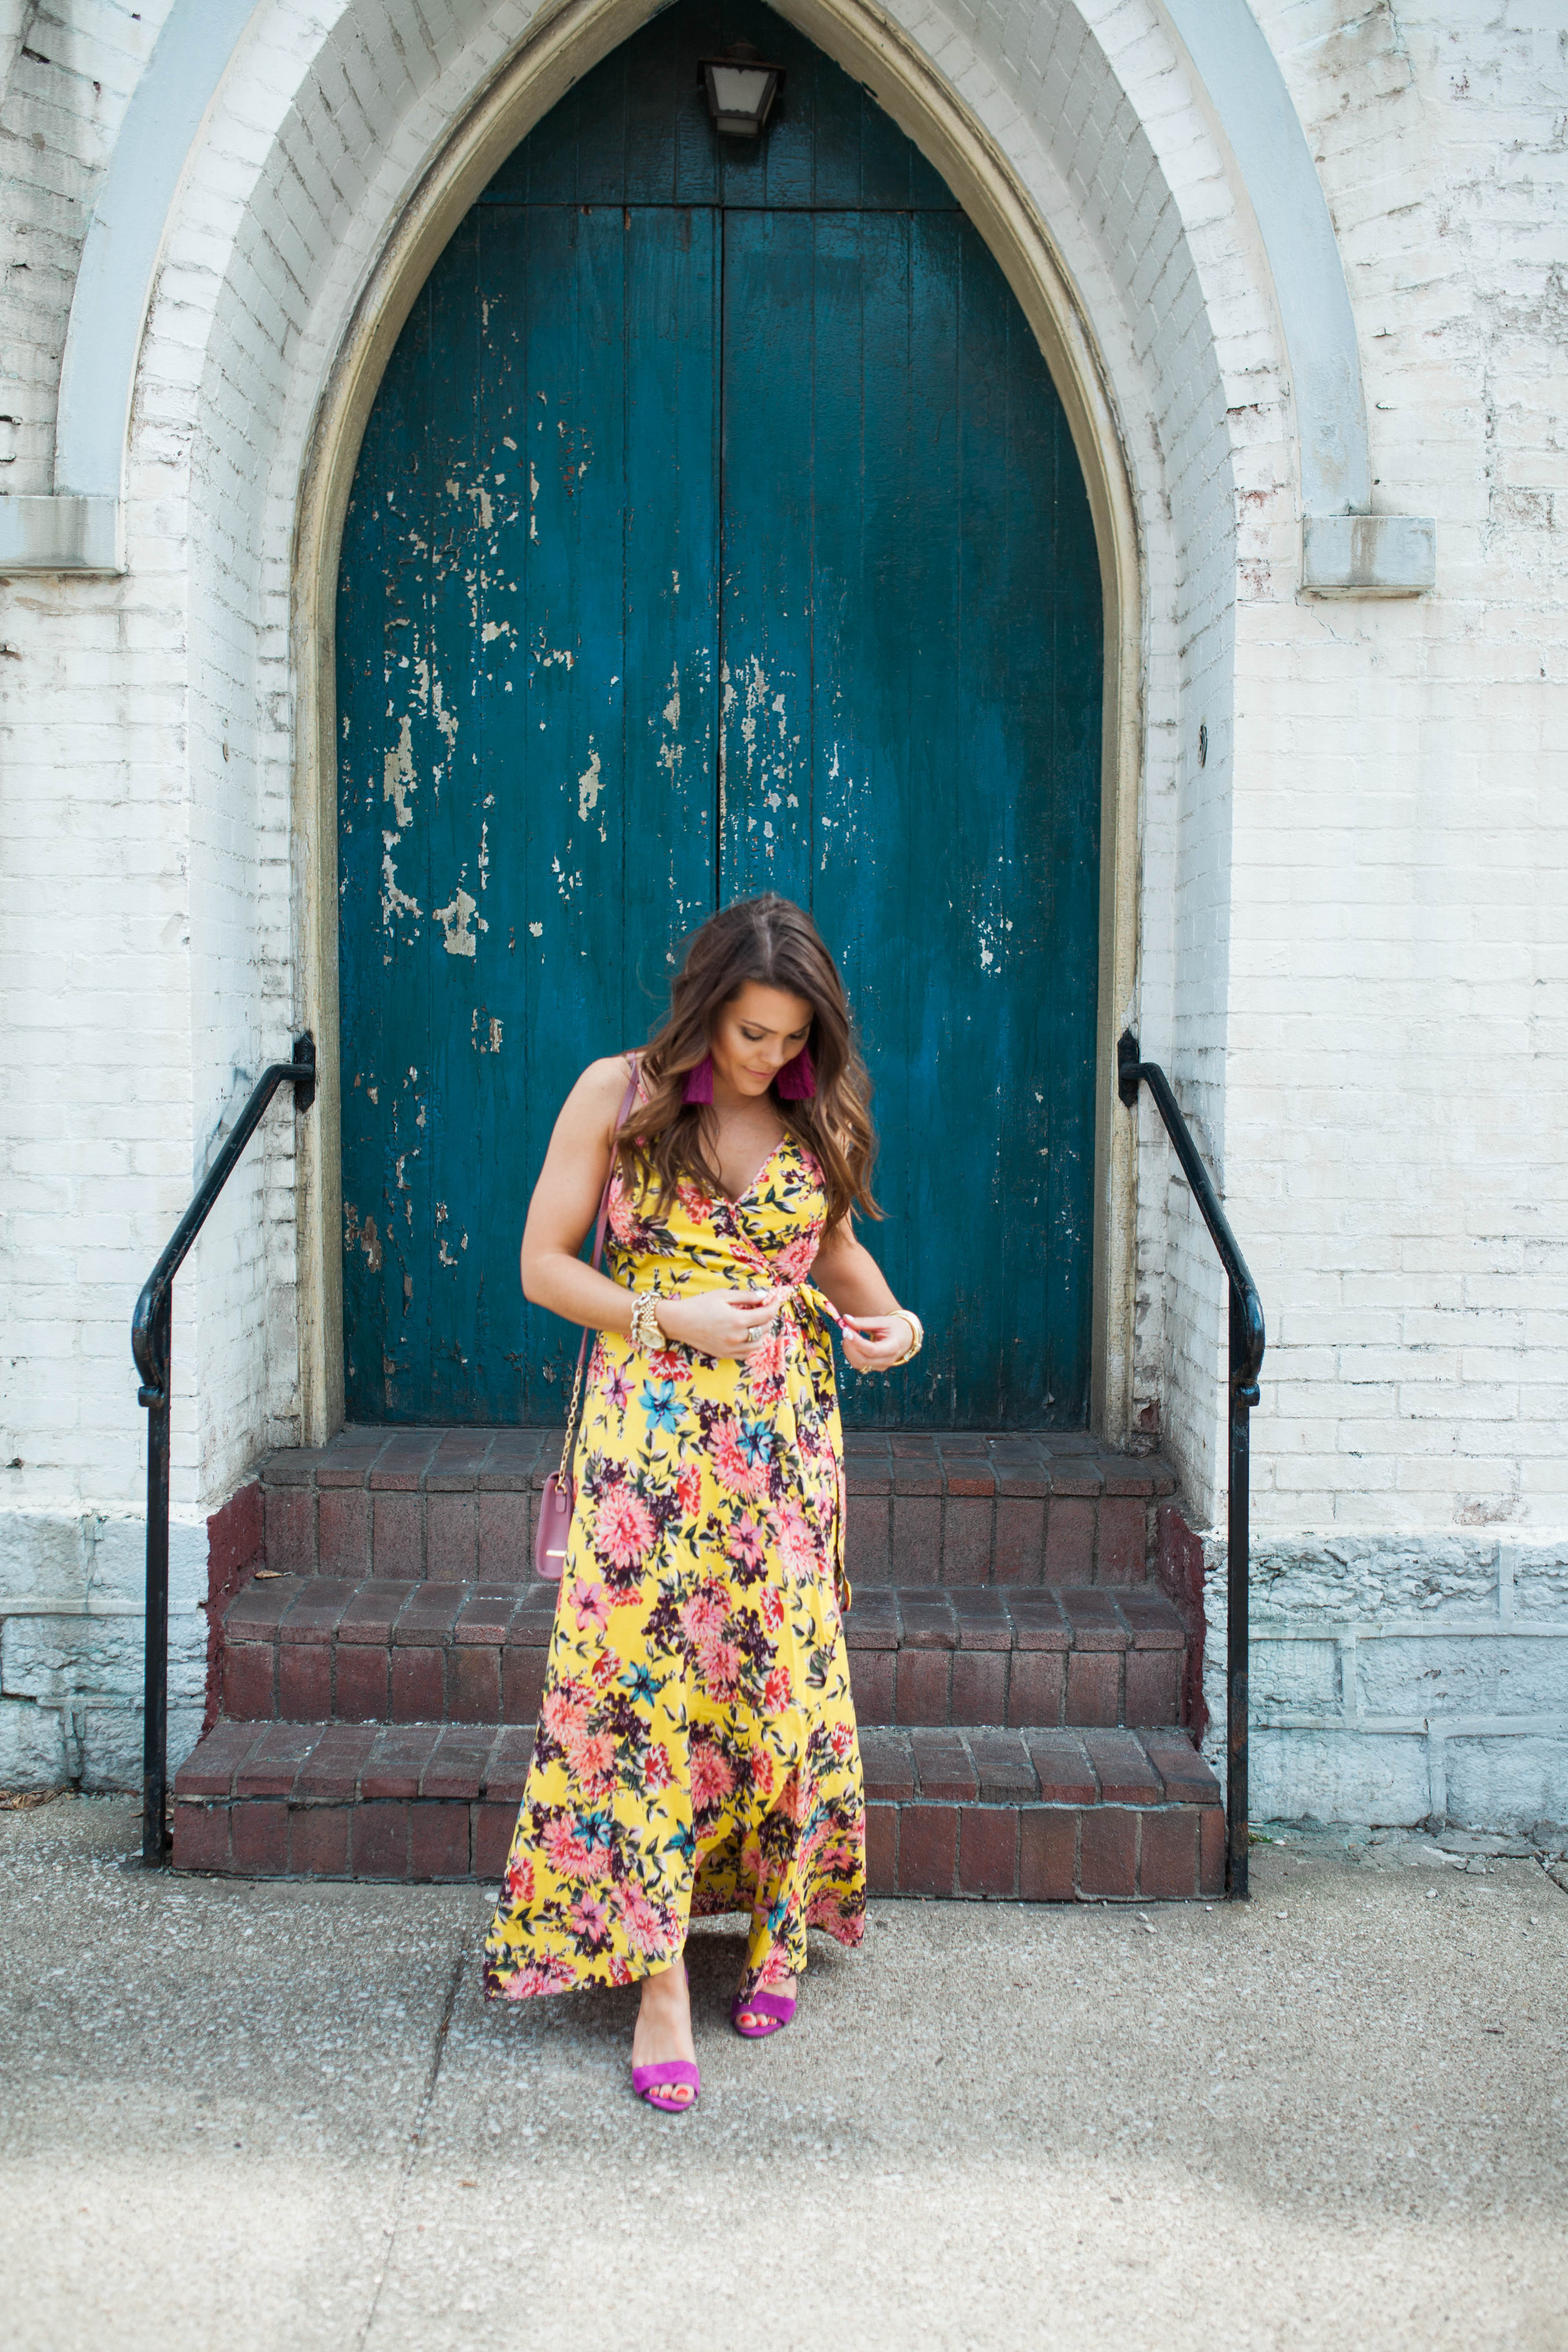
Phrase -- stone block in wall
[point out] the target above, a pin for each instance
(119, 1560)
(119, 1557)
(1433, 1676)
(1514, 1783)
(1357, 1579)
(1533, 1676)
(57, 1659)
(110, 1746)
(1540, 1580)
(1377, 1777)
(1293, 1677)
(103, 1748)
(73, 1681)
(185, 1724)
(44, 1555)
(32, 1745)
(1425, 1675)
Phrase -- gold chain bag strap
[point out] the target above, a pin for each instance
(559, 1495)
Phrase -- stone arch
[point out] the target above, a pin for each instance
(1237, 71)
(290, 266)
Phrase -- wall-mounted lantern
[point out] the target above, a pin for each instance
(741, 88)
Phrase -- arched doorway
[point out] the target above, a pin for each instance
(717, 527)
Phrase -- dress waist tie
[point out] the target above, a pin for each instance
(812, 1307)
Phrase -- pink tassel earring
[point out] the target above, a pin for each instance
(797, 1081)
(699, 1081)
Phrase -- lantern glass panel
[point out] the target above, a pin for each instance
(740, 93)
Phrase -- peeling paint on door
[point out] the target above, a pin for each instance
(454, 918)
(393, 900)
(397, 773)
(361, 1236)
(588, 787)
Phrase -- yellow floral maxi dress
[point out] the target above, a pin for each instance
(696, 1750)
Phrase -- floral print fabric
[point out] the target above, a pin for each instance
(696, 1750)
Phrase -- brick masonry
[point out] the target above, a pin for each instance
(458, 1503)
(1369, 855)
(338, 1801)
(401, 1508)
(1040, 1816)
(1037, 1817)
(381, 1648)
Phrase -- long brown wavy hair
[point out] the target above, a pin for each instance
(769, 940)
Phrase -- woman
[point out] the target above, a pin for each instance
(697, 1751)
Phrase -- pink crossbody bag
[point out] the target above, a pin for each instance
(559, 1495)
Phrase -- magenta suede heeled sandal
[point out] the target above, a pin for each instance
(669, 2074)
(773, 2008)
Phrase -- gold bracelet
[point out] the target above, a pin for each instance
(647, 1332)
(917, 1342)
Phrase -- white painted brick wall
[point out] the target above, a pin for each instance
(1397, 963)
(1351, 917)
(67, 72)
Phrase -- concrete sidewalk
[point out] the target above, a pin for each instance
(269, 2115)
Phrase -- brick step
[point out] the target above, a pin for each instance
(1028, 1656)
(1036, 1816)
(455, 1504)
(1041, 1816)
(319, 1648)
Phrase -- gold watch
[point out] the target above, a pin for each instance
(647, 1332)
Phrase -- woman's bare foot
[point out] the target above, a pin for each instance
(664, 2028)
(774, 1980)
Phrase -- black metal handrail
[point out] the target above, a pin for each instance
(152, 1330)
(1247, 1343)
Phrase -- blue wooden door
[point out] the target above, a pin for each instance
(717, 529)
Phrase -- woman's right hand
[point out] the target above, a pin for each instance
(720, 1322)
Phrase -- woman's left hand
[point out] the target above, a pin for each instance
(874, 1343)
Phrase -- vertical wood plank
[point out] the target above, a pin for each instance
(379, 607)
(766, 758)
(670, 875)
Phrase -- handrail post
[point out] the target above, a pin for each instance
(151, 1345)
(155, 1714)
(1237, 1579)
(1248, 1339)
